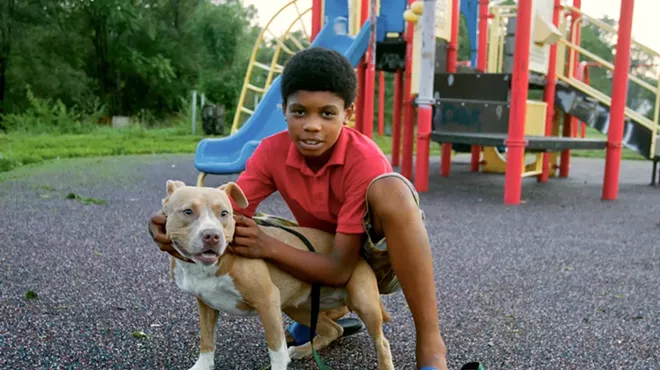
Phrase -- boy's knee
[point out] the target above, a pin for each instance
(390, 197)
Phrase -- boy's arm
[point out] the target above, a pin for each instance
(336, 268)
(256, 181)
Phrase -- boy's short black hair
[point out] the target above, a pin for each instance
(319, 69)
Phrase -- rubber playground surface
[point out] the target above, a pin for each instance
(562, 281)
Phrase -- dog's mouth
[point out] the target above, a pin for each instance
(208, 256)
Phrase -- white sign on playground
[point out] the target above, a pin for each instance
(443, 20)
(539, 55)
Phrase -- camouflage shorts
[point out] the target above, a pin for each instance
(373, 251)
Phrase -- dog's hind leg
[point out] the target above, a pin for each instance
(364, 299)
(208, 318)
(270, 314)
(326, 328)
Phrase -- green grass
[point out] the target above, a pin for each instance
(17, 150)
(20, 149)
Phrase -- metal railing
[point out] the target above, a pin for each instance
(575, 51)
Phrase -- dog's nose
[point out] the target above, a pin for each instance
(211, 236)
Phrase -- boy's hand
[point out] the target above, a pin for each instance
(249, 240)
(159, 235)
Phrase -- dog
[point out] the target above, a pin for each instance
(201, 226)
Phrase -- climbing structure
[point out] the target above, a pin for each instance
(270, 52)
(536, 47)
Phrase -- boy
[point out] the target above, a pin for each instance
(335, 179)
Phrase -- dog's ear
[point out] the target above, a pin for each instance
(173, 185)
(235, 193)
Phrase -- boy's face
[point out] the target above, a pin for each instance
(315, 119)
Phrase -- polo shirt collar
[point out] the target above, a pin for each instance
(295, 159)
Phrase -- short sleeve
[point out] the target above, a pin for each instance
(356, 183)
(256, 181)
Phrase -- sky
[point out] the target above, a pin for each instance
(645, 19)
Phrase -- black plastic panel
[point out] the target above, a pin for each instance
(597, 115)
(471, 116)
(472, 86)
(391, 55)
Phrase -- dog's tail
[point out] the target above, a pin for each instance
(386, 315)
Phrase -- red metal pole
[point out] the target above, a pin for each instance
(619, 94)
(481, 66)
(369, 79)
(585, 78)
(549, 95)
(396, 117)
(565, 157)
(482, 54)
(359, 101)
(424, 118)
(519, 89)
(368, 112)
(361, 76)
(408, 111)
(570, 121)
(381, 103)
(317, 7)
(452, 56)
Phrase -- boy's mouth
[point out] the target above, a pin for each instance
(311, 144)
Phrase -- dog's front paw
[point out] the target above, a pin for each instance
(301, 351)
(204, 362)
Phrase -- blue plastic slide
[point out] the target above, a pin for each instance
(229, 154)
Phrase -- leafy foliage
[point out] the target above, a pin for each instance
(89, 58)
(68, 65)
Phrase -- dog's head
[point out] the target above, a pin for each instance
(200, 220)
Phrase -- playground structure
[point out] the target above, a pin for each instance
(484, 110)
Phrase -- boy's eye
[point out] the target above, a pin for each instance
(328, 114)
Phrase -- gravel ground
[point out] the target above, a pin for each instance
(563, 281)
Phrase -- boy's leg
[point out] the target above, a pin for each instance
(402, 257)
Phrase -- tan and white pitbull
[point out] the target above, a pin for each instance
(201, 225)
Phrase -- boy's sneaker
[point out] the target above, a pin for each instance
(468, 366)
(298, 334)
(472, 366)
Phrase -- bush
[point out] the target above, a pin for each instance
(46, 116)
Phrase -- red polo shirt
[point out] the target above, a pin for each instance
(332, 199)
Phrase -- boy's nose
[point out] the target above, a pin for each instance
(312, 125)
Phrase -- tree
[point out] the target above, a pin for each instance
(122, 57)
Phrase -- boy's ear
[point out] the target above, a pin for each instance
(348, 113)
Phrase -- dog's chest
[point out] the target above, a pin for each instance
(218, 292)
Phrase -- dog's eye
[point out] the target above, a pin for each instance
(187, 212)
(224, 213)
